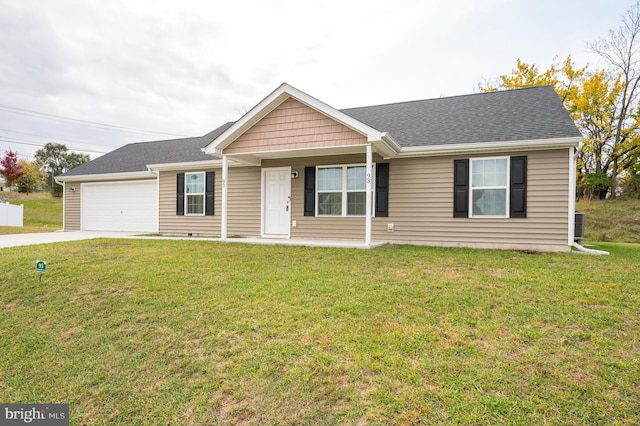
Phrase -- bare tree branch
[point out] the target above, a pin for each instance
(621, 50)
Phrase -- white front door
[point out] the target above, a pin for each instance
(276, 202)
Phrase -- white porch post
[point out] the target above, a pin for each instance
(368, 196)
(572, 195)
(223, 219)
(64, 205)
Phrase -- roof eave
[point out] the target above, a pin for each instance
(495, 146)
(188, 165)
(387, 147)
(106, 176)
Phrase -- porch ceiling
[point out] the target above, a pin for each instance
(255, 158)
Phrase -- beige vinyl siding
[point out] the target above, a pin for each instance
(171, 223)
(244, 200)
(421, 205)
(243, 210)
(72, 206)
(293, 125)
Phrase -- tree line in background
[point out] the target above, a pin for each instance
(604, 105)
(37, 175)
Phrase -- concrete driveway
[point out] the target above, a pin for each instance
(15, 240)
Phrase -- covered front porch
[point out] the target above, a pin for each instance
(290, 135)
(290, 206)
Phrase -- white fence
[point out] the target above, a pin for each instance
(10, 215)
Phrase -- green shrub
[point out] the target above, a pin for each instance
(631, 187)
(595, 185)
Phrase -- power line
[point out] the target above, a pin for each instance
(34, 143)
(55, 138)
(17, 153)
(60, 118)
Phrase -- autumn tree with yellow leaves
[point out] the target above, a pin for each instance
(603, 104)
(34, 177)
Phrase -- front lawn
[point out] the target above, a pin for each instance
(194, 332)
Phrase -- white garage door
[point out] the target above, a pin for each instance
(120, 206)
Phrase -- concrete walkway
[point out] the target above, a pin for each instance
(15, 240)
(305, 242)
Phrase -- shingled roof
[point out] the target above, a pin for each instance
(512, 115)
(135, 157)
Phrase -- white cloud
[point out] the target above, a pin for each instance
(186, 67)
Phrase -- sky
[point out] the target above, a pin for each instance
(96, 75)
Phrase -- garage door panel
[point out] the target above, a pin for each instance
(120, 206)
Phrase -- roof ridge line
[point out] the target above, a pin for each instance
(447, 97)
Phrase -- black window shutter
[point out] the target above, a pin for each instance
(382, 190)
(461, 188)
(209, 193)
(309, 191)
(180, 194)
(518, 189)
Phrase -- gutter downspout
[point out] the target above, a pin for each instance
(572, 206)
(157, 173)
(225, 177)
(582, 249)
(64, 203)
(572, 196)
(64, 206)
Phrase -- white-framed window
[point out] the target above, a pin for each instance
(489, 189)
(342, 190)
(194, 193)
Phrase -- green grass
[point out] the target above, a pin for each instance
(42, 212)
(611, 220)
(211, 333)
